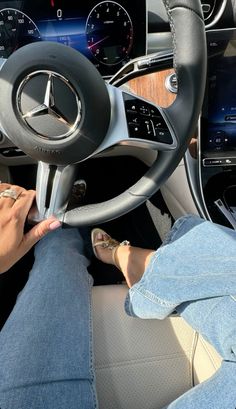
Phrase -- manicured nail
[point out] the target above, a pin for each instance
(54, 225)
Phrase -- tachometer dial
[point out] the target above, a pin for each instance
(16, 30)
(109, 33)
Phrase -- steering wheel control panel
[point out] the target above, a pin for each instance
(108, 33)
(145, 121)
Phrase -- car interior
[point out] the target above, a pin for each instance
(136, 98)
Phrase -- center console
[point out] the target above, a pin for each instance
(217, 140)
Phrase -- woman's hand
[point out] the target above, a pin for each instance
(14, 244)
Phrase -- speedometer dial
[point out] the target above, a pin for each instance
(109, 33)
(16, 30)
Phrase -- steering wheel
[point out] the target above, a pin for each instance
(56, 108)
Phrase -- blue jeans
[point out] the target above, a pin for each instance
(194, 272)
(46, 352)
(46, 359)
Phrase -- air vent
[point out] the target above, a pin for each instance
(208, 7)
(212, 11)
(1, 137)
(12, 152)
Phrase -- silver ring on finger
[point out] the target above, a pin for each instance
(9, 193)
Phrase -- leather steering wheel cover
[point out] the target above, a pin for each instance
(190, 59)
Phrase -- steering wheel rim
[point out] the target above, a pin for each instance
(190, 57)
(190, 60)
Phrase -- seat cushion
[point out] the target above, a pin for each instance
(140, 364)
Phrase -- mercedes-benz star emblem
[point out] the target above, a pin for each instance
(49, 105)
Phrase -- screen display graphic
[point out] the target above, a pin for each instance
(219, 108)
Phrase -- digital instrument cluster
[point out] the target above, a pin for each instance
(108, 33)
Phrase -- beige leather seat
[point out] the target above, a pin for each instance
(144, 364)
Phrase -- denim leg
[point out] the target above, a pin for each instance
(46, 358)
(182, 226)
(194, 272)
(218, 392)
(197, 261)
(215, 319)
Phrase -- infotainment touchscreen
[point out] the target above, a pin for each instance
(218, 122)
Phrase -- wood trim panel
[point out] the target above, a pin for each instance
(152, 87)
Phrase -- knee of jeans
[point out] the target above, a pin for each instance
(58, 238)
(48, 239)
(190, 217)
(182, 226)
(189, 221)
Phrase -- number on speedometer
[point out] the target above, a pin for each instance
(16, 30)
(109, 33)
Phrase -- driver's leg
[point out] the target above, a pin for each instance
(218, 392)
(198, 264)
(46, 359)
(215, 319)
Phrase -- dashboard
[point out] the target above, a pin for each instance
(108, 33)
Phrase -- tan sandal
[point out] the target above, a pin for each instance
(110, 243)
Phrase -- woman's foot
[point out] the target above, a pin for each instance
(132, 261)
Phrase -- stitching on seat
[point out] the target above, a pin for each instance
(150, 360)
(209, 353)
(193, 351)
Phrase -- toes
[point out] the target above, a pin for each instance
(103, 245)
(103, 253)
(101, 237)
(98, 237)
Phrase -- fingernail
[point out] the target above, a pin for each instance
(54, 225)
(99, 236)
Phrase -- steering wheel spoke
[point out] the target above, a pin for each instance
(147, 124)
(137, 122)
(53, 187)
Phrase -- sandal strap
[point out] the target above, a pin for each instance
(113, 245)
(109, 243)
(125, 243)
(114, 250)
